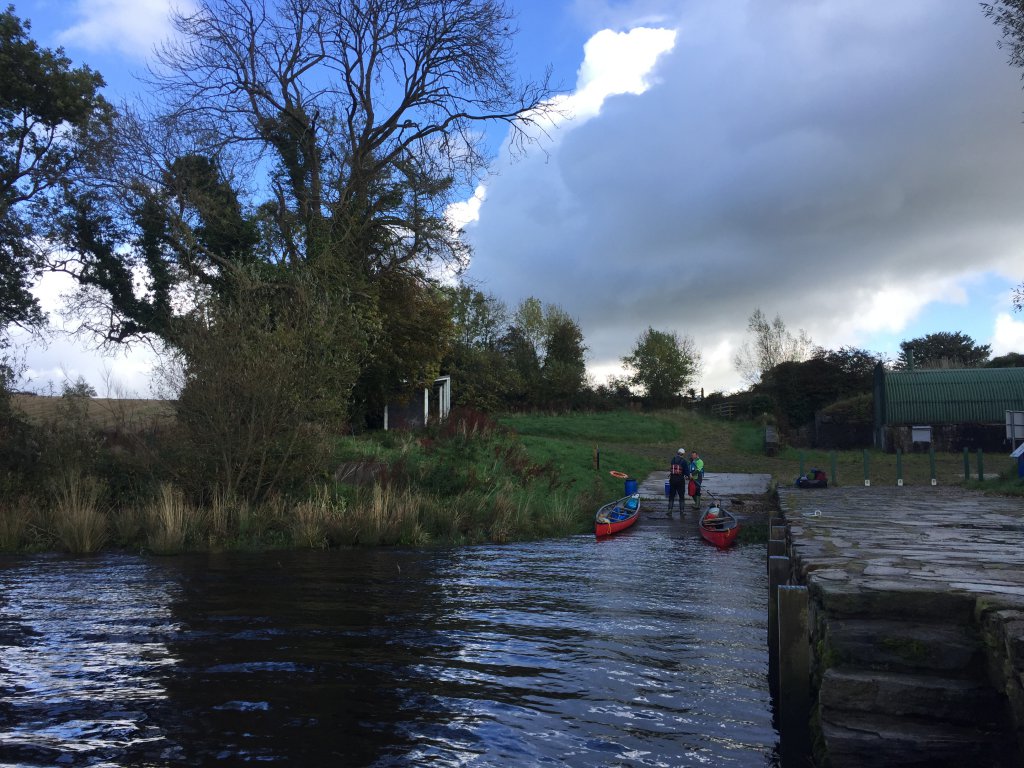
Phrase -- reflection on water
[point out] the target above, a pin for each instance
(647, 649)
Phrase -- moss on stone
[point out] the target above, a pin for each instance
(907, 648)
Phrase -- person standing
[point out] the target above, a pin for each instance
(678, 472)
(696, 477)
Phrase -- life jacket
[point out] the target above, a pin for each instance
(697, 469)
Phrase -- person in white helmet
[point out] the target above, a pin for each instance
(678, 473)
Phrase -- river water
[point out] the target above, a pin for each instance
(647, 649)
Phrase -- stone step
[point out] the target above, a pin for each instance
(940, 699)
(880, 741)
(846, 597)
(904, 646)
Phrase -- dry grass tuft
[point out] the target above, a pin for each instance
(15, 517)
(78, 523)
(171, 521)
(312, 519)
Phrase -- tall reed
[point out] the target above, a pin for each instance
(311, 519)
(14, 520)
(78, 522)
(384, 516)
(170, 521)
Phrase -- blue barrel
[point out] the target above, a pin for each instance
(631, 486)
(666, 487)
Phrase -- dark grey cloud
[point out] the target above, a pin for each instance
(804, 157)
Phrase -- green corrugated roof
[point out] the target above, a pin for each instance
(960, 396)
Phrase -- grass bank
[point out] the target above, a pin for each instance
(639, 443)
(470, 480)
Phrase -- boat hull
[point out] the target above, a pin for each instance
(720, 529)
(617, 516)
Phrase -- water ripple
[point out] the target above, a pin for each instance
(644, 650)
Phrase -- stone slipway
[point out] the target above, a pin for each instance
(724, 485)
(916, 622)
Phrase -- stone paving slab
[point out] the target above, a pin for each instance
(718, 483)
(934, 537)
(726, 487)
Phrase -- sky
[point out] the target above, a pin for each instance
(856, 168)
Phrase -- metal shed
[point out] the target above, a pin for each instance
(946, 402)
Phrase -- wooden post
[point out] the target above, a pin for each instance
(794, 697)
(778, 574)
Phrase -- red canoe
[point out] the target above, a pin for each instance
(617, 516)
(719, 527)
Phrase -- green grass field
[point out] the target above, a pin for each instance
(639, 443)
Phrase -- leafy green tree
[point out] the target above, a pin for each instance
(564, 370)
(265, 386)
(770, 344)
(852, 369)
(1009, 360)
(798, 390)
(479, 369)
(479, 318)
(662, 366)
(414, 332)
(78, 388)
(546, 355)
(49, 115)
(523, 367)
(942, 350)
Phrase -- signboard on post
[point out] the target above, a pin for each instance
(1015, 427)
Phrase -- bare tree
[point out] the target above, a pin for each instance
(303, 142)
(772, 343)
(370, 112)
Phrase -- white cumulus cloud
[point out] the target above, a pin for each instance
(133, 27)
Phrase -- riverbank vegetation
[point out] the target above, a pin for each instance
(470, 479)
